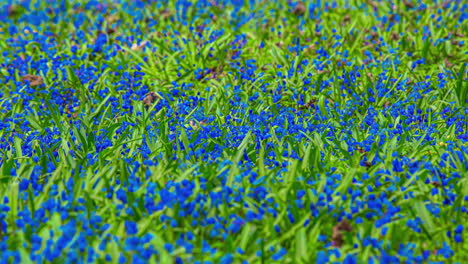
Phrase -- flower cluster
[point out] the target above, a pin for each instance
(233, 131)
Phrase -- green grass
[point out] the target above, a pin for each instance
(248, 119)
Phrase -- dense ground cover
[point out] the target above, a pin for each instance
(233, 131)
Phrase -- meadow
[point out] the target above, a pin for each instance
(233, 131)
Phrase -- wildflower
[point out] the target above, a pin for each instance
(131, 227)
(445, 251)
(122, 259)
(279, 255)
(169, 247)
(322, 257)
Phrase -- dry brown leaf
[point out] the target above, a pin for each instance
(33, 80)
(300, 9)
(338, 229)
(136, 47)
(150, 98)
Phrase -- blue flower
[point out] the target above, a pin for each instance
(169, 247)
(131, 227)
(322, 257)
(279, 255)
(226, 259)
(459, 229)
(445, 251)
(122, 259)
(350, 259)
(23, 184)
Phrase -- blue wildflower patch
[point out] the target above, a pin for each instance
(233, 131)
